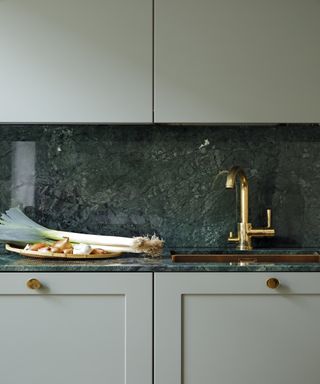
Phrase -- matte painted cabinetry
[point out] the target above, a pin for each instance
(215, 61)
(78, 328)
(224, 328)
(231, 61)
(230, 328)
(76, 61)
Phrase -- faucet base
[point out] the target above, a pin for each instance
(246, 233)
(245, 243)
(243, 247)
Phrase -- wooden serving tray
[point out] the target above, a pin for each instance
(52, 255)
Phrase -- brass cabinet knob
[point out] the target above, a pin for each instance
(33, 284)
(273, 283)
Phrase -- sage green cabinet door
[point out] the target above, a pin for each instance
(76, 61)
(78, 328)
(231, 61)
(230, 328)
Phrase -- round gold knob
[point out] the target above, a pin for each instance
(273, 283)
(33, 284)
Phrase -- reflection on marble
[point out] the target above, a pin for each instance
(168, 180)
(23, 173)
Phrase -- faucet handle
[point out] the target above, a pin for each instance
(232, 237)
(268, 218)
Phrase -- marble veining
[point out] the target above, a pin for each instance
(13, 263)
(164, 179)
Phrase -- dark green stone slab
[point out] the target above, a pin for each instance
(128, 263)
(164, 179)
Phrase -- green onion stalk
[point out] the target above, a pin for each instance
(17, 228)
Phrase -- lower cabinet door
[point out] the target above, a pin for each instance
(76, 328)
(231, 328)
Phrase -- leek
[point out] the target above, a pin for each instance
(17, 228)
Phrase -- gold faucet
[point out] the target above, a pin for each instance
(245, 230)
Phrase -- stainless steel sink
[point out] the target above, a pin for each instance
(245, 258)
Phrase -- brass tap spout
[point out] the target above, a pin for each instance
(245, 230)
(244, 190)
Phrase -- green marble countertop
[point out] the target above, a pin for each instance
(10, 262)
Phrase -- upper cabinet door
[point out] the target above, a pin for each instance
(76, 61)
(231, 61)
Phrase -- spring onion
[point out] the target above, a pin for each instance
(17, 228)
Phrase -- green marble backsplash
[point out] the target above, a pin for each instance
(164, 179)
